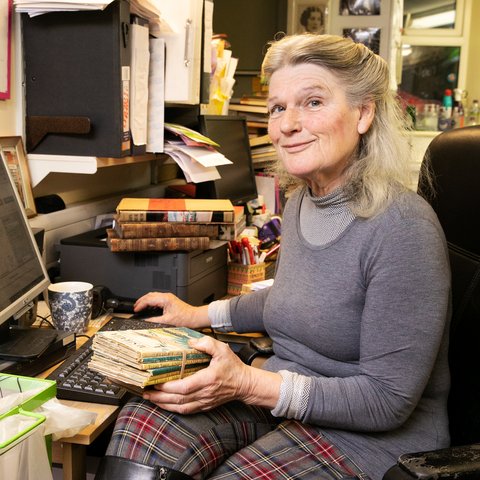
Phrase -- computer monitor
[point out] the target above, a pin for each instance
(23, 275)
(238, 179)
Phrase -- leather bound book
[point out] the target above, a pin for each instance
(158, 244)
(164, 229)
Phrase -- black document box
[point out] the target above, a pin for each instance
(77, 69)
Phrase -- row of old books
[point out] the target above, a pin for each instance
(137, 359)
(169, 224)
(262, 149)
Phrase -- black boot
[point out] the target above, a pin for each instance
(118, 468)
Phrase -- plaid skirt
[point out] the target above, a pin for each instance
(233, 441)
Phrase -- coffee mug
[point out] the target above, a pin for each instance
(70, 305)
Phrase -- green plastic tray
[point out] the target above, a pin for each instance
(17, 384)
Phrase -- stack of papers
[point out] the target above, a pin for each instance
(143, 8)
(194, 153)
(222, 78)
(35, 7)
(148, 10)
(261, 284)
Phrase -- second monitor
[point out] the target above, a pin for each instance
(238, 179)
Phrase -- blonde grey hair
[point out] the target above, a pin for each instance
(381, 168)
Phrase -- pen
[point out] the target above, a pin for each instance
(248, 248)
(247, 256)
(255, 253)
(244, 257)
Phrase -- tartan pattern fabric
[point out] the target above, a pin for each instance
(234, 441)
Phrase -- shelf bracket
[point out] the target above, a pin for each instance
(40, 165)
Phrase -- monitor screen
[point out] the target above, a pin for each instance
(238, 179)
(22, 273)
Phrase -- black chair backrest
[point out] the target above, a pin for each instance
(453, 158)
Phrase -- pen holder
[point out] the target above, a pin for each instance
(239, 274)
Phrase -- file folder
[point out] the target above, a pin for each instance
(77, 71)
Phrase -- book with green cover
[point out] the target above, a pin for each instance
(146, 357)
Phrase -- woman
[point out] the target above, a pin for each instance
(358, 312)
(311, 20)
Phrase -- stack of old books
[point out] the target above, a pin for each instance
(159, 224)
(262, 149)
(140, 358)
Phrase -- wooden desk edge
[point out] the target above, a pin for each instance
(106, 414)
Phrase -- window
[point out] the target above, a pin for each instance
(433, 50)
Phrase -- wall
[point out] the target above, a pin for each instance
(262, 19)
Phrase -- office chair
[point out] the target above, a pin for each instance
(453, 159)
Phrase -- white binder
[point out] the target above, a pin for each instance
(183, 61)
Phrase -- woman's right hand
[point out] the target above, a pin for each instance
(175, 311)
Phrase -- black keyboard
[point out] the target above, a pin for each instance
(76, 382)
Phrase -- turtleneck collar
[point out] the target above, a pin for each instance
(336, 198)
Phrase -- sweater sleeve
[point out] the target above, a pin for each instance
(246, 311)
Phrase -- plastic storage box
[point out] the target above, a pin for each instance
(42, 390)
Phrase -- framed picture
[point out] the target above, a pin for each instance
(12, 151)
(359, 7)
(307, 16)
(370, 37)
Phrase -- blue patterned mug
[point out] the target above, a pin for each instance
(70, 305)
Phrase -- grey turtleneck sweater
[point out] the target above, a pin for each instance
(358, 315)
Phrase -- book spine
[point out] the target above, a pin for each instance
(227, 231)
(168, 378)
(168, 370)
(165, 229)
(227, 216)
(157, 244)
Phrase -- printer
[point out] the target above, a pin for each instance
(197, 277)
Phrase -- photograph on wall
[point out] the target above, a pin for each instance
(370, 37)
(360, 7)
(13, 153)
(308, 16)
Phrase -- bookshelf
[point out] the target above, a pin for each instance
(255, 109)
(263, 153)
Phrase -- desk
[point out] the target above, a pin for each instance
(71, 451)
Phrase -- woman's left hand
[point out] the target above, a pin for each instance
(226, 378)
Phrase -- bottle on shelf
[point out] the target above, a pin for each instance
(458, 113)
(456, 119)
(473, 114)
(427, 117)
(443, 119)
(447, 102)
